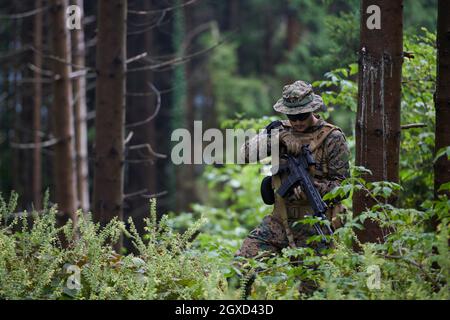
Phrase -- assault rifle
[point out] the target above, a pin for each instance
(298, 168)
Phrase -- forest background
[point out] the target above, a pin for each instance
(224, 63)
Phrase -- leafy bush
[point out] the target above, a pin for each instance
(34, 264)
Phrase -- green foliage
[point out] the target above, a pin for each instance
(413, 262)
(417, 147)
(233, 93)
(33, 262)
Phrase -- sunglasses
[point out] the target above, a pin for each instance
(299, 117)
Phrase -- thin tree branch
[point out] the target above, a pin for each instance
(43, 72)
(149, 12)
(413, 125)
(44, 144)
(155, 195)
(133, 194)
(23, 14)
(128, 138)
(136, 58)
(158, 107)
(150, 150)
(176, 61)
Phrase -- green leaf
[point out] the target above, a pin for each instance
(441, 152)
(353, 68)
(445, 186)
(387, 191)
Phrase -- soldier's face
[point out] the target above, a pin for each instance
(301, 122)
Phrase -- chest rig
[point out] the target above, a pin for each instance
(290, 210)
(315, 141)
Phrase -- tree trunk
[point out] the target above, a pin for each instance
(81, 137)
(26, 108)
(442, 98)
(37, 156)
(293, 29)
(63, 128)
(110, 111)
(141, 104)
(378, 116)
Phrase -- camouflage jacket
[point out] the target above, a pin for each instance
(332, 156)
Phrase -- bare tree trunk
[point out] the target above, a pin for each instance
(37, 156)
(233, 18)
(141, 104)
(26, 112)
(81, 137)
(110, 111)
(378, 116)
(442, 98)
(16, 173)
(186, 188)
(63, 127)
(293, 29)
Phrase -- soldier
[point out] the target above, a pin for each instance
(329, 147)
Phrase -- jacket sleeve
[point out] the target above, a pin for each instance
(253, 149)
(337, 155)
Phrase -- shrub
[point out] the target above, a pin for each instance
(34, 264)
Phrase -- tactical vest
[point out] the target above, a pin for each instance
(284, 209)
(315, 140)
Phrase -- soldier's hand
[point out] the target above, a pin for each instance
(299, 194)
(291, 142)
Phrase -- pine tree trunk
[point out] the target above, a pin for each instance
(442, 98)
(26, 112)
(81, 136)
(378, 115)
(63, 127)
(37, 156)
(141, 104)
(293, 29)
(110, 111)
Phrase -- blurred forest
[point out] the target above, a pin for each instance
(236, 57)
(224, 63)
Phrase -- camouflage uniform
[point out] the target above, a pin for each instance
(331, 154)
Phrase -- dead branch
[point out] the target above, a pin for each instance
(158, 107)
(150, 150)
(77, 74)
(40, 71)
(176, 61)
(155, 195)
(23, 14)
(133, 194)
(148, 27)
(168, 9)
(413, 125)
(52, 57)
(136, 58)
(128, 138)
(44, 144)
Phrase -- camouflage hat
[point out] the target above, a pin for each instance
(298, 98)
